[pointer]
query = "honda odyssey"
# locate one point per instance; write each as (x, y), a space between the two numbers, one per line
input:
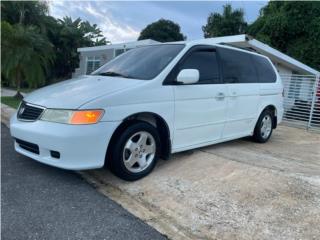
(150, 102)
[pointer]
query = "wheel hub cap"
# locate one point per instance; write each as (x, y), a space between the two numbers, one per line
(266, 126)
(139, 151)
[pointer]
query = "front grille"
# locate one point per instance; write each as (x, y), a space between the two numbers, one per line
(29, 112)
(31, 147)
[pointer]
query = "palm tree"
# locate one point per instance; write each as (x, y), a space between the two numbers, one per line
(230, 22)
(72, 34)
(26, 55)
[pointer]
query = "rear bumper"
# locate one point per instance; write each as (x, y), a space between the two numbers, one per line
(80, 146)
(278, 118)
(280, 112)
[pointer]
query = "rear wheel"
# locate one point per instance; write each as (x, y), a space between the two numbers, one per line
(135, 153)
(264, 126)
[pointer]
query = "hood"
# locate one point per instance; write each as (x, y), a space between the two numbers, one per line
(73, 93)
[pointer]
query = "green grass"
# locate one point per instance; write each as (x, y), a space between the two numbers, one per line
(10, 101)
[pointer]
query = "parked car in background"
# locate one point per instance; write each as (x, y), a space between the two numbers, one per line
(148, 103)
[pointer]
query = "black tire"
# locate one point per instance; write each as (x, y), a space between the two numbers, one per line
(258, 135)
(117, 165)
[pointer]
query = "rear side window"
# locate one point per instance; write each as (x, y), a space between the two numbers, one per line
(206, 62)
(265, 70)
(237, 67)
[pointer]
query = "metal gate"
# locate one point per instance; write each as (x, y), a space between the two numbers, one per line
(302, 101)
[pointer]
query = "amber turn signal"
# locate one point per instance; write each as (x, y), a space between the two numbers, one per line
(86, 117)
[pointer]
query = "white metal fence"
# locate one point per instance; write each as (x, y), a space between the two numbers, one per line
(302, 101)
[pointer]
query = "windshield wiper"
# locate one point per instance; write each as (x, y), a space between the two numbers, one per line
(113, 74)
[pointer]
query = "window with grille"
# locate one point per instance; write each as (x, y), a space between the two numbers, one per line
(119, 52)
(93, 63)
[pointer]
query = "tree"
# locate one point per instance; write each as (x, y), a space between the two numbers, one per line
(64, 35)
(26, 55)
(231, 22)
(292, 28)
(68, 35)
(163, 31)
(24, 12)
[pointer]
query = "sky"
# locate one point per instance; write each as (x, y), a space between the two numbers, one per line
(122, 21)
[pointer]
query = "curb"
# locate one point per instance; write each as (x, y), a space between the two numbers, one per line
(142, 210)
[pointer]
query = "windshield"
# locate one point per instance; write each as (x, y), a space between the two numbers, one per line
(143, 63)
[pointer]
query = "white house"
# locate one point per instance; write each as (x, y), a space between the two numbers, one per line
(91, 58)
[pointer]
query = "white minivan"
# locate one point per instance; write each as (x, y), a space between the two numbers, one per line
(148, 103)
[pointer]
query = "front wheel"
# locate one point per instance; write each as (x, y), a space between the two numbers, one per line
(135, 153)
(264, 126)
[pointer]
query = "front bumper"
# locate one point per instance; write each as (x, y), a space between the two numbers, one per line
(80, 146)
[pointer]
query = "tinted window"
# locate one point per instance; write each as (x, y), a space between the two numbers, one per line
(237, 66)
(265, 70)
(141, 63)
(206, 62)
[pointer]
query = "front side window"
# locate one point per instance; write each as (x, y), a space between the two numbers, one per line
(206, 62)
(237, 66)
(143, 63)
(93, 63)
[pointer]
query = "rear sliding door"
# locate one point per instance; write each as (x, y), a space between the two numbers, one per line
(240, 77)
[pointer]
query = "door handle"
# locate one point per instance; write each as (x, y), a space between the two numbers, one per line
(220, 96)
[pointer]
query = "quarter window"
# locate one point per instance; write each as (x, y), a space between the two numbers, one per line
(206, 62)
(93, 63)
(265, 70)
(237, 67)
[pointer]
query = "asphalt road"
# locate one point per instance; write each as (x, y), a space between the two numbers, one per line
(41, 202)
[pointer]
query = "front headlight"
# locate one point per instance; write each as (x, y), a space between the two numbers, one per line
(72, 116)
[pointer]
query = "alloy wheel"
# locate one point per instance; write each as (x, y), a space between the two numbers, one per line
(139, 151)
(266, 126)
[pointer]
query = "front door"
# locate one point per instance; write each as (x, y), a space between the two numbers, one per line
(200, 109)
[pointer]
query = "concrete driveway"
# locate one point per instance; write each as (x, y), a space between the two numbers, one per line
(234, 190)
